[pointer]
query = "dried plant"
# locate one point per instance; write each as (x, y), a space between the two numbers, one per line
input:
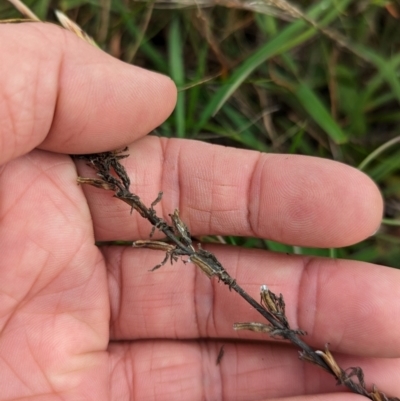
(112, 176)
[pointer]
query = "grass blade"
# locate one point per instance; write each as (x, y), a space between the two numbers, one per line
(317, 110)
(176, 69)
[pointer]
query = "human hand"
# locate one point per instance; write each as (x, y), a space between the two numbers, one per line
(83, 323)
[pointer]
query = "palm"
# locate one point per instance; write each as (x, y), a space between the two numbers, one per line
(54, 297)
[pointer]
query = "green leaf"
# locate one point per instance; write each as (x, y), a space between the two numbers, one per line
(317, 110)
(295, 34)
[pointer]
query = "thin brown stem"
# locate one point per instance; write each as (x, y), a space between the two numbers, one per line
(111, 175)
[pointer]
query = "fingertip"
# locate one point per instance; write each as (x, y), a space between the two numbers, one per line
(104, 103)
(64, 95)
(367, 207)
(315, 202)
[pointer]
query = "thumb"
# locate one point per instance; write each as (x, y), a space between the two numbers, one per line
(61, 94)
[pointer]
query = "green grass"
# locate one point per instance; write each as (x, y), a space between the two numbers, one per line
(329, 95)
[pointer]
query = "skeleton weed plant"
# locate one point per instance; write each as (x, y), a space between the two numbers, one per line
(112, 176)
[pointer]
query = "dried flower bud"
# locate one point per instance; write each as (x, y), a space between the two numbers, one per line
(253, 326)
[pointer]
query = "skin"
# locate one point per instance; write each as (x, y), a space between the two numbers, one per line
(82, 323)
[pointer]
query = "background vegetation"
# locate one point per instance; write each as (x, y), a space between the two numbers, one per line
(316, 78)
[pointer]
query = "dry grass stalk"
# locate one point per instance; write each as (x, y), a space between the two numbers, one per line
(24, 10)
(112, 176)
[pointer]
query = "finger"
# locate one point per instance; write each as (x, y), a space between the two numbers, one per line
(67, 96)
(292, 199)
(188, 370)
(346, 304)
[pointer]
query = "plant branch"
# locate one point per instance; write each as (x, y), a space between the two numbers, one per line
(112, 176)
